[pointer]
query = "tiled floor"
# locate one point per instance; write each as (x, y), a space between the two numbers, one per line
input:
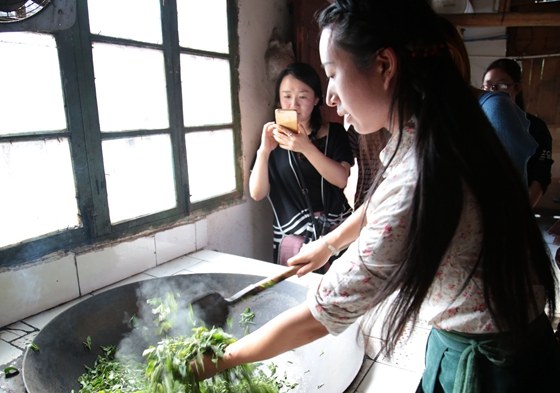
(400, 374)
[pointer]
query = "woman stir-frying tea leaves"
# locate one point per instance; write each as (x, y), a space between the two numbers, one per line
(448, 235)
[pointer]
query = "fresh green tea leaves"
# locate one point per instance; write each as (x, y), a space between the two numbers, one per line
(110, 375)
(167, 366)
(134, 321)
(87, 344)
(168, 369)
(165, 309)
(10, 372)
(246, 320)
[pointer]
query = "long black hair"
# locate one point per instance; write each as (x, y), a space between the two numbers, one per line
(455, 146)
(512, 68)
(308, 75)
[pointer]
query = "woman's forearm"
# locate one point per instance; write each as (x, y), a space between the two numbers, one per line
(289, 330)
(316, 254)
(348, 231)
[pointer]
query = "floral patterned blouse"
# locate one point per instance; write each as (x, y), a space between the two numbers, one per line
(343, 294)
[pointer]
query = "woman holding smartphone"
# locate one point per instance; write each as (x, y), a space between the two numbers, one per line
(316, 157)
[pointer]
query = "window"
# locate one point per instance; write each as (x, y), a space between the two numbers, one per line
(125, 122)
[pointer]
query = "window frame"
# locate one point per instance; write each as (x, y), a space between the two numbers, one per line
(74, 47)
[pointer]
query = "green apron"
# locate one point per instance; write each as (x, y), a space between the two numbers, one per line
(474, 363)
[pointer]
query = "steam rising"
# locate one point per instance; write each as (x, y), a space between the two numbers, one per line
(152, 323)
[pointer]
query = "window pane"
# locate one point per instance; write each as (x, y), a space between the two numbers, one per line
(31, 92)
(137, 20)
(39, 194)
(139, 175)
(130, 85)
(206, 90)
(211, 162)
(203, 25)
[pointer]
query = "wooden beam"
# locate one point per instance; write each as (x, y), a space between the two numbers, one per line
(508, 19)
(504, 6)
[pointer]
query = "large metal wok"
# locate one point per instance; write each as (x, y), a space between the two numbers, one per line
(329, 364)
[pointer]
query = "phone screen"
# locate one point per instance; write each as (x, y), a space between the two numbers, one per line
(287, 118)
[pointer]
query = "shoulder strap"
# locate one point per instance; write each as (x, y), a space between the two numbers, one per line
(305, 193)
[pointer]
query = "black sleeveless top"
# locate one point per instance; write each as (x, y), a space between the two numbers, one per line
(291, 215)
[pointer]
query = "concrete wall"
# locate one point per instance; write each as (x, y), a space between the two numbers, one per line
(244, 229)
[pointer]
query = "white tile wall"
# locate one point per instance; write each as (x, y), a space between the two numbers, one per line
(40, 320)
(129, 280)
(201, 234)
(175, 242)
(28, 290)
(179, 265)
(112, 264)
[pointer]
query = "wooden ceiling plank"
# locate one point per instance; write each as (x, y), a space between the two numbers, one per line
(525, 80)
(549, 89)
(509, 19)
(504, 5)
(532, 86)
(533, 41)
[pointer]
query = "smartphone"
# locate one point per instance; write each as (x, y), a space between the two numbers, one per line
(287, 118)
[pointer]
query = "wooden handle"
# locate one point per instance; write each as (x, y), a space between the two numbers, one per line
(260, 286)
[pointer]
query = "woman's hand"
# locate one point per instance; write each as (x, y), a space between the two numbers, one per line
(268, 142)
(259, 184)
(205, 371)
(314, 255)
(289, 140)
(289, 330)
